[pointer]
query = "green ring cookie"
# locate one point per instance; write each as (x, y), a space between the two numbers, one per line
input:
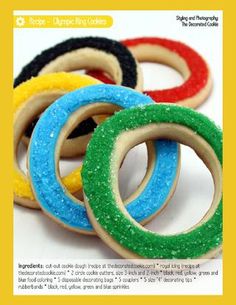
(109, 144)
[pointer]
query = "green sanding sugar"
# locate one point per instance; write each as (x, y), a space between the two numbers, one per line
(97, 182)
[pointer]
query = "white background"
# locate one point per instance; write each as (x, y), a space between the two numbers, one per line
(35, 235)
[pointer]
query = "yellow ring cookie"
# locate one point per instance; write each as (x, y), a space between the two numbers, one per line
(41, 91)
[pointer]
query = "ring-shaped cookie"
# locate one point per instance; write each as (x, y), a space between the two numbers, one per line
(54, 126)
(101, 194)
(29, 100)
(193, 68)
(84, 53)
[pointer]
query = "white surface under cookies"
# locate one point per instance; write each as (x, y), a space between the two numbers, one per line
(35, 235)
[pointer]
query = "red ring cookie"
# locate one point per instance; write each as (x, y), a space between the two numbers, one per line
(188, 62)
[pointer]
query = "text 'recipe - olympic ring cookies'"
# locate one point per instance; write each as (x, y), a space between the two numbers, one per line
(53, 127)
(193, 68)
(84, 53)
(104, 205)
(30, 99)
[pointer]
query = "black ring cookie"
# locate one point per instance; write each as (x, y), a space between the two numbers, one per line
(127, 63)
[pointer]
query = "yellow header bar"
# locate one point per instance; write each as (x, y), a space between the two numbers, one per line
(83, 21)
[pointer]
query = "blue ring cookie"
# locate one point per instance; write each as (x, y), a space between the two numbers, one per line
(48, 189)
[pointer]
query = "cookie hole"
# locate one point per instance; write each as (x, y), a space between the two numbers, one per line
(133, 170)
(191, 200)
(158, 76)
(78, 71)
(22, 156)
(67, 165)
